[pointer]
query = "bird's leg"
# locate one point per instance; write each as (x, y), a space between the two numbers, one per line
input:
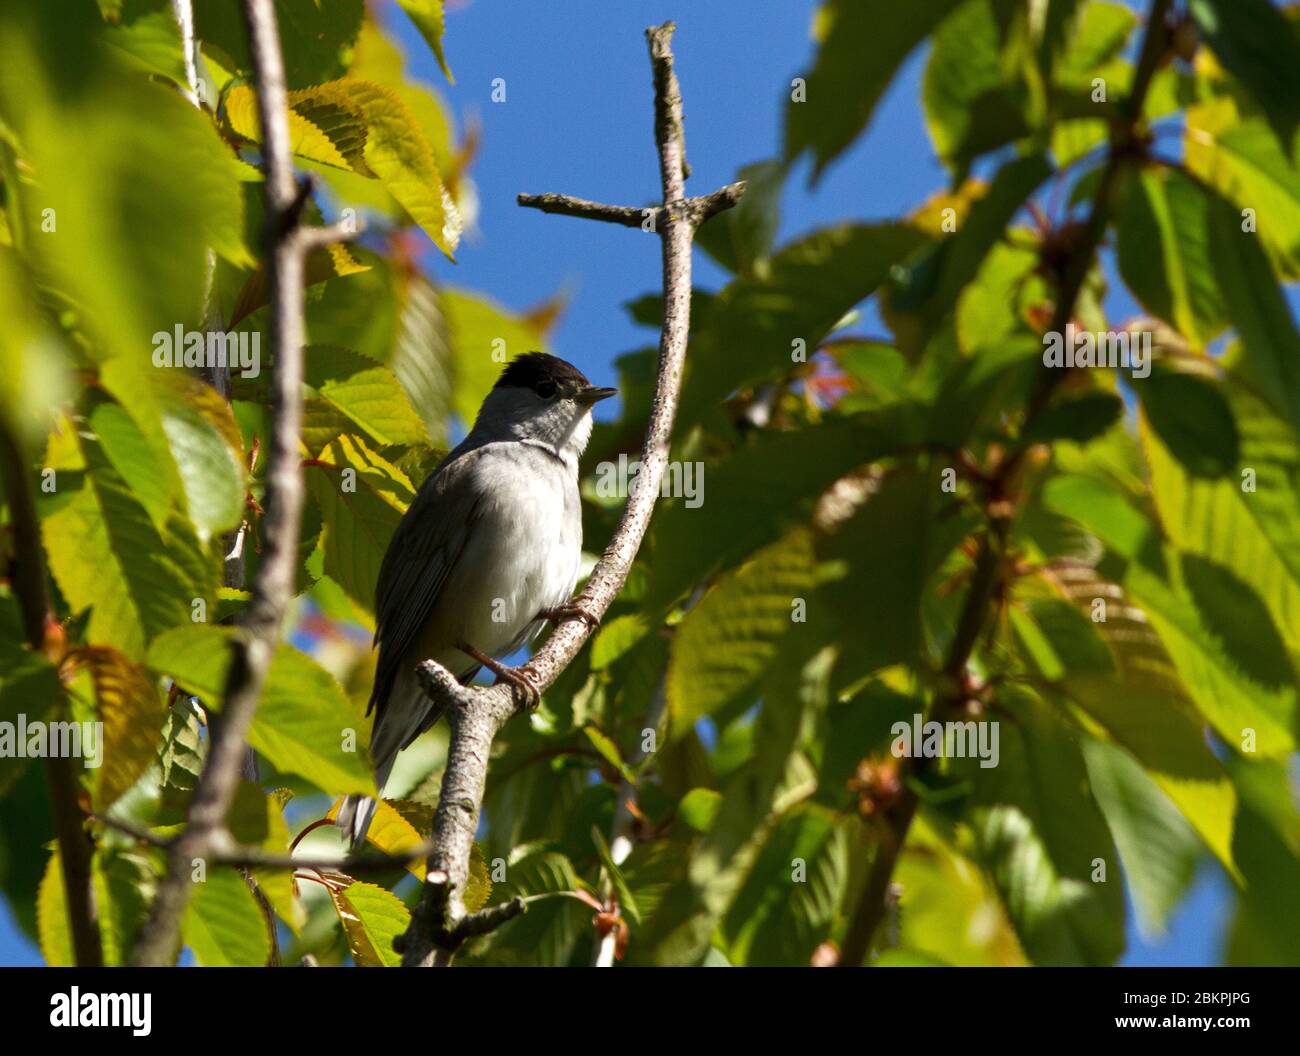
(573, 609)
(520, 677)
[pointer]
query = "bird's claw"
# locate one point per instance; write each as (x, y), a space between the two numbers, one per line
(571, 610)
(525, 678)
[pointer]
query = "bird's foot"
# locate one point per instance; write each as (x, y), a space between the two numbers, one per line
(523, 677)
(571, 610)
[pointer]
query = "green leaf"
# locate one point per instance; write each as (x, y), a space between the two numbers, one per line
(1244, 162)
(128, 703)
(971, 104)
(52, 925)
(742, 236)
(788, 902)
(428, 19)
(1041, 835)
(1259, 312)
(863, 44)
(1167, 250)
(1267, 844)
(699, 808)
(749, 507)
(323, 129)
(482, 337)
(1079, 418)
(1254, 41)
(205, 444)
(303, 715)
(367, 394)
(372, 918)
(1192, 418)
(728, 639)
(1191, 610)
(626, 902)
(361, 498)
(1158, 847)
(802, 293)
(223, 923)
(316, 39)
(928, 287)
(391, 832)
(882, 558)
(106, 555)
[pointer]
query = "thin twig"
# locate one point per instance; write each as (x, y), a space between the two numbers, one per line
(475, 715)
(991, 557)
(28, 582)
(272, 587)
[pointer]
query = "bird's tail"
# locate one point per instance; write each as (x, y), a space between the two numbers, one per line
(407, 714)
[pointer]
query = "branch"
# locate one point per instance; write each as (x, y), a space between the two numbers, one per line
(225, 851)
(272, 587)
(990, 559)
(475, 715)
(28, 580)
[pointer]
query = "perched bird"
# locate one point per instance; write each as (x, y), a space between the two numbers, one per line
(485, 555)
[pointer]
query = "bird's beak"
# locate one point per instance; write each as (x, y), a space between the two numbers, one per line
(594, 395)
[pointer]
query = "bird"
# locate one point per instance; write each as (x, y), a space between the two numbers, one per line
(487, 553)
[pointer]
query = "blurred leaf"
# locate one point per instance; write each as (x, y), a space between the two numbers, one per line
(1079, 418)
(971, 104)
(129, 704)
(1193, 419)
(742, 236)
(791, 896)
(749, 506)
(315, 39)
(802, 294)
(1243, 161)
(223, 924)
(361, 498)
(1267, 844)
(728, 639)
(106, 555)
(482, 337)
(1255, 42)
(428, 19)
(1259, 312)
(1041, 834)
(52, 917)
(1158, 847)
(863, 44)
(1166, 250)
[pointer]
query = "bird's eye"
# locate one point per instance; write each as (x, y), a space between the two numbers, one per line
(545, 389)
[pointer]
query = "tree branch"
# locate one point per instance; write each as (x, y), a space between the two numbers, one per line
(990, 560)
(272, 587)
(475, 715)
(28, 580)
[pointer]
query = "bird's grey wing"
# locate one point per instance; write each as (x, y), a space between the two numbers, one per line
(426, 546)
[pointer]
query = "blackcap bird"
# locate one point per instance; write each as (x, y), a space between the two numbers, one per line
(486, 554)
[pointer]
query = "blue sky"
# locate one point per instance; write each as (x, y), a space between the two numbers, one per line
(577, 119)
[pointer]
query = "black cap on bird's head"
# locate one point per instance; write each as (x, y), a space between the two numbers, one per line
(549, 376)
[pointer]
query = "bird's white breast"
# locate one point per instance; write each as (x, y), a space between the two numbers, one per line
(523, 550)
